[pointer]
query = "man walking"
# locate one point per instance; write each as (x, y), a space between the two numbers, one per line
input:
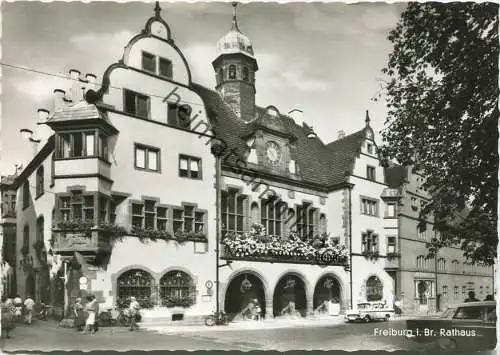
(29, 304)
(96, 310)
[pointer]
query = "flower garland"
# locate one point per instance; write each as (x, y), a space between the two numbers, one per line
(257, 243)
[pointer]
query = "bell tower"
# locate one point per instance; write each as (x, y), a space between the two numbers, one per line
(235, 68)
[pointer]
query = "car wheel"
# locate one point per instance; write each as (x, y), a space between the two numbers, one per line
(367, 319)
(446, 344)
(387, 317)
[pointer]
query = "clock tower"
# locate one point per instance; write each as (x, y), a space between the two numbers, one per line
(235, 68)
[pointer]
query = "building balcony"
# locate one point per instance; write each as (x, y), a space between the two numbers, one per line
(277, 249)
(392, 261)
(389, 193)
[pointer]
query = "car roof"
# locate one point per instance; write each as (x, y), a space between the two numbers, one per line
(471, 304)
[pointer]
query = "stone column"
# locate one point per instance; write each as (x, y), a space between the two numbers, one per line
(309, 304)
(269, 307)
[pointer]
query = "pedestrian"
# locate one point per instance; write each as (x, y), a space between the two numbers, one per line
(489, 298)
(79, 314)
(90, 310)
(29, 304)
(472, 297)
(133, 311)
(96, 310)
(18, 305)
(8, 311)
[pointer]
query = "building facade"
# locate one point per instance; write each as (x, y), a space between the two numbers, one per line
(426, 284)
(8, 234)
(153, 186)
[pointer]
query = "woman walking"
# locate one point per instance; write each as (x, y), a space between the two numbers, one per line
(79, 314)
(90, 322)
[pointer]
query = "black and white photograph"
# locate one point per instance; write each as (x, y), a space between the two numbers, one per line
(249, 176)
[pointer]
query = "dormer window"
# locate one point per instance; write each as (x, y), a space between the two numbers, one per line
(232, 72)
(369, 148)
(157, 65)
(165, 68)
(149, 62)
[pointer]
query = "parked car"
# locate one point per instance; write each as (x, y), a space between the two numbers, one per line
(369, 311)
(469, 325)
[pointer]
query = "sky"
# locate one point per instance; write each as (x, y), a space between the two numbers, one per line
(322, 58)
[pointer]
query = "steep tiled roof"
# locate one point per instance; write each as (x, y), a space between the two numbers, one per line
(342, 154)
(80, 111)
(318, 163)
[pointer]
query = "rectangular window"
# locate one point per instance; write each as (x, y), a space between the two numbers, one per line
(178, 222)
(149, 214)
(161, 218)
(456, 292)
(136, 104)
(464, 291)
(165, 68)
(391, 245)
(232, 211)
(369, 148)
(103, 147)
(369, 207)
(147, 158)
(103, 209)
(369, 242)
(414, 204)
(370, 173)
(445, 291)
(77, 144)
(89, 144)
(390, 211)
(188, 219)
(137, 214)
(179, 115)
(149, 62)
(65, 207)
(271, 216)
(189, 167)
(26, 194)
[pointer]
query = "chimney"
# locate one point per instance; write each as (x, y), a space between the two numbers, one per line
(340, 134)
(43, 131)
(76, 88)
(91, 79)
(59, 99)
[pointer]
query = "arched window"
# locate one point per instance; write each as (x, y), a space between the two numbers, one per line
(39, 182)
(177, 289)
(137, 283)
(245, 73)
(232, 72)
(374, 289)
(40, 225)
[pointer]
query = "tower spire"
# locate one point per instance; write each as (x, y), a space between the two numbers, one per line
(157, 9)
(235, 22)
(367, 119)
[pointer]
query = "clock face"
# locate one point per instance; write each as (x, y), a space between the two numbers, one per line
(273, 152)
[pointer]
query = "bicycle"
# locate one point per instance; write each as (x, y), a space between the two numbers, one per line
(217, 318)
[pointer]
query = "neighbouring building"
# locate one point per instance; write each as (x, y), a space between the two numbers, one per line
(447, 276)
(130, 175)
(8, 234)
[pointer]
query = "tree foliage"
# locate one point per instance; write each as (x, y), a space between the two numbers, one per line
(442, 97)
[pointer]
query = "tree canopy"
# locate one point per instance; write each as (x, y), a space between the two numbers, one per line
(442, 94)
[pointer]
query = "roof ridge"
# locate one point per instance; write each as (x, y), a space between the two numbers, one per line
(345, 137)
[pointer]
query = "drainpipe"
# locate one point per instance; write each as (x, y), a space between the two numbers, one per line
(436, 282)
(350, 244)
(218, 227)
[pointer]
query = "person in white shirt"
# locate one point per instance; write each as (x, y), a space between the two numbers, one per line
(29, 304)
(133, 310)
(18, 308)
